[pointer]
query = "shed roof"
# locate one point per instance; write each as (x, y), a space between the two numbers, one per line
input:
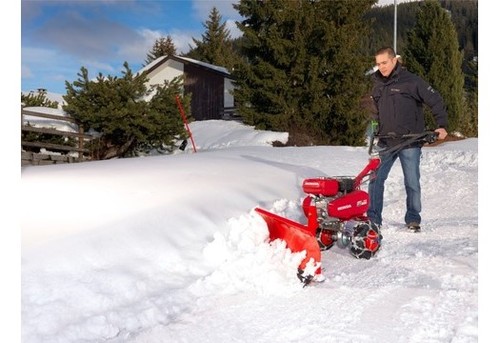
(185, 60)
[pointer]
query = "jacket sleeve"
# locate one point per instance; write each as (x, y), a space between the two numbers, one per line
(373, 105)
(372, 109)
(434, 100)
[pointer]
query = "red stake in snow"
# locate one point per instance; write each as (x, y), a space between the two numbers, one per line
(183, 115)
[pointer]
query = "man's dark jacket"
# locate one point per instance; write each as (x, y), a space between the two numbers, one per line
(399, 99)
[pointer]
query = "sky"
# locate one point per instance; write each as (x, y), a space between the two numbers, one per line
(170, 249)
(59, 37)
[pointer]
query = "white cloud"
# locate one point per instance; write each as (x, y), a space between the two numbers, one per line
(233, 29)
(137, 50)
(229, 15)
(40, 55)
(225, 8)
(97, 66)
(26, 72)
(182, 40)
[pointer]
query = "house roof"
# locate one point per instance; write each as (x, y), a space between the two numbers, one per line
(185, 60)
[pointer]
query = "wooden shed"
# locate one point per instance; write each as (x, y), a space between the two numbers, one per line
(210, 85)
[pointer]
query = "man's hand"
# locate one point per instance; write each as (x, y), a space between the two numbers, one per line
(441, 133)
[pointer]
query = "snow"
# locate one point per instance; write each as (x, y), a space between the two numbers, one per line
(169, 249)
(36, 121)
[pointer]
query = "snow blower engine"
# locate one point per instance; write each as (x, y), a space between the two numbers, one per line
(335, 208)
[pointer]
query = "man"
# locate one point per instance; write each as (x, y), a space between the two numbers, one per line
(399, 97)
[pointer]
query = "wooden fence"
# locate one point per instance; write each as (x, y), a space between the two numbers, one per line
(34, 158)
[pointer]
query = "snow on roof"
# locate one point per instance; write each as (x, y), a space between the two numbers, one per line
(204, 64)
(181, 59)
(152, 65)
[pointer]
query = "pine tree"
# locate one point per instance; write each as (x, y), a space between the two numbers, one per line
(433, 53)
(38, 99)
(464, 15)
(215, 46)
(164, 120)
(304, 72)
(163, 46)
(469, 126)
(116, 108)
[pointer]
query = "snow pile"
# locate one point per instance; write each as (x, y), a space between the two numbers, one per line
(218, 134)
(169, 249)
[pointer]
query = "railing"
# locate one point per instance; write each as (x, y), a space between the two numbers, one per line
(83, 152)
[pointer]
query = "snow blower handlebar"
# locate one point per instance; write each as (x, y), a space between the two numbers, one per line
(372, 165)
(406, 140)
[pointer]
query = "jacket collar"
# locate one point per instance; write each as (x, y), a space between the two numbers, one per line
(392, 76)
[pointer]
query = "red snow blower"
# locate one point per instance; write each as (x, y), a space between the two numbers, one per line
(335, 208)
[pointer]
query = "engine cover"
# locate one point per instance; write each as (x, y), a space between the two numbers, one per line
(351, 205)
(321, 186)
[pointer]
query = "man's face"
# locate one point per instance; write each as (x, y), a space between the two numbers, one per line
(385, 63)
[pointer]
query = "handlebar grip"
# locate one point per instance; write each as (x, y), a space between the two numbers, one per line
(432, 137)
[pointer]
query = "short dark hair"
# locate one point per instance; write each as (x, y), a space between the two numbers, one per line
(386, 50)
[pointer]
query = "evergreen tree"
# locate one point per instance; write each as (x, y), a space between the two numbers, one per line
(164, 120)
(433, 53)
(464, 15)
(215, 46)
(304, 72)
(38, 99)
(469, 126)
(116, 108)
(163, 46)
(382, 28)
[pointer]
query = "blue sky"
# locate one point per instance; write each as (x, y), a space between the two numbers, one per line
(59, 37)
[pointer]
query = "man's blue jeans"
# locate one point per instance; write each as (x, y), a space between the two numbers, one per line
(410, 163)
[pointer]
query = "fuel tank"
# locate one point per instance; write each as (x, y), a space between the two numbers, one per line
(321, 186)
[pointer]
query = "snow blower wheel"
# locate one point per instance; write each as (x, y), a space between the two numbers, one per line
(366, 241)
(325, 239)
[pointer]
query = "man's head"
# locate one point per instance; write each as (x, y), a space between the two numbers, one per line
(386, 60)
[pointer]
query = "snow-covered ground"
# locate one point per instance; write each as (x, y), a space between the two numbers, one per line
(169, 249)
